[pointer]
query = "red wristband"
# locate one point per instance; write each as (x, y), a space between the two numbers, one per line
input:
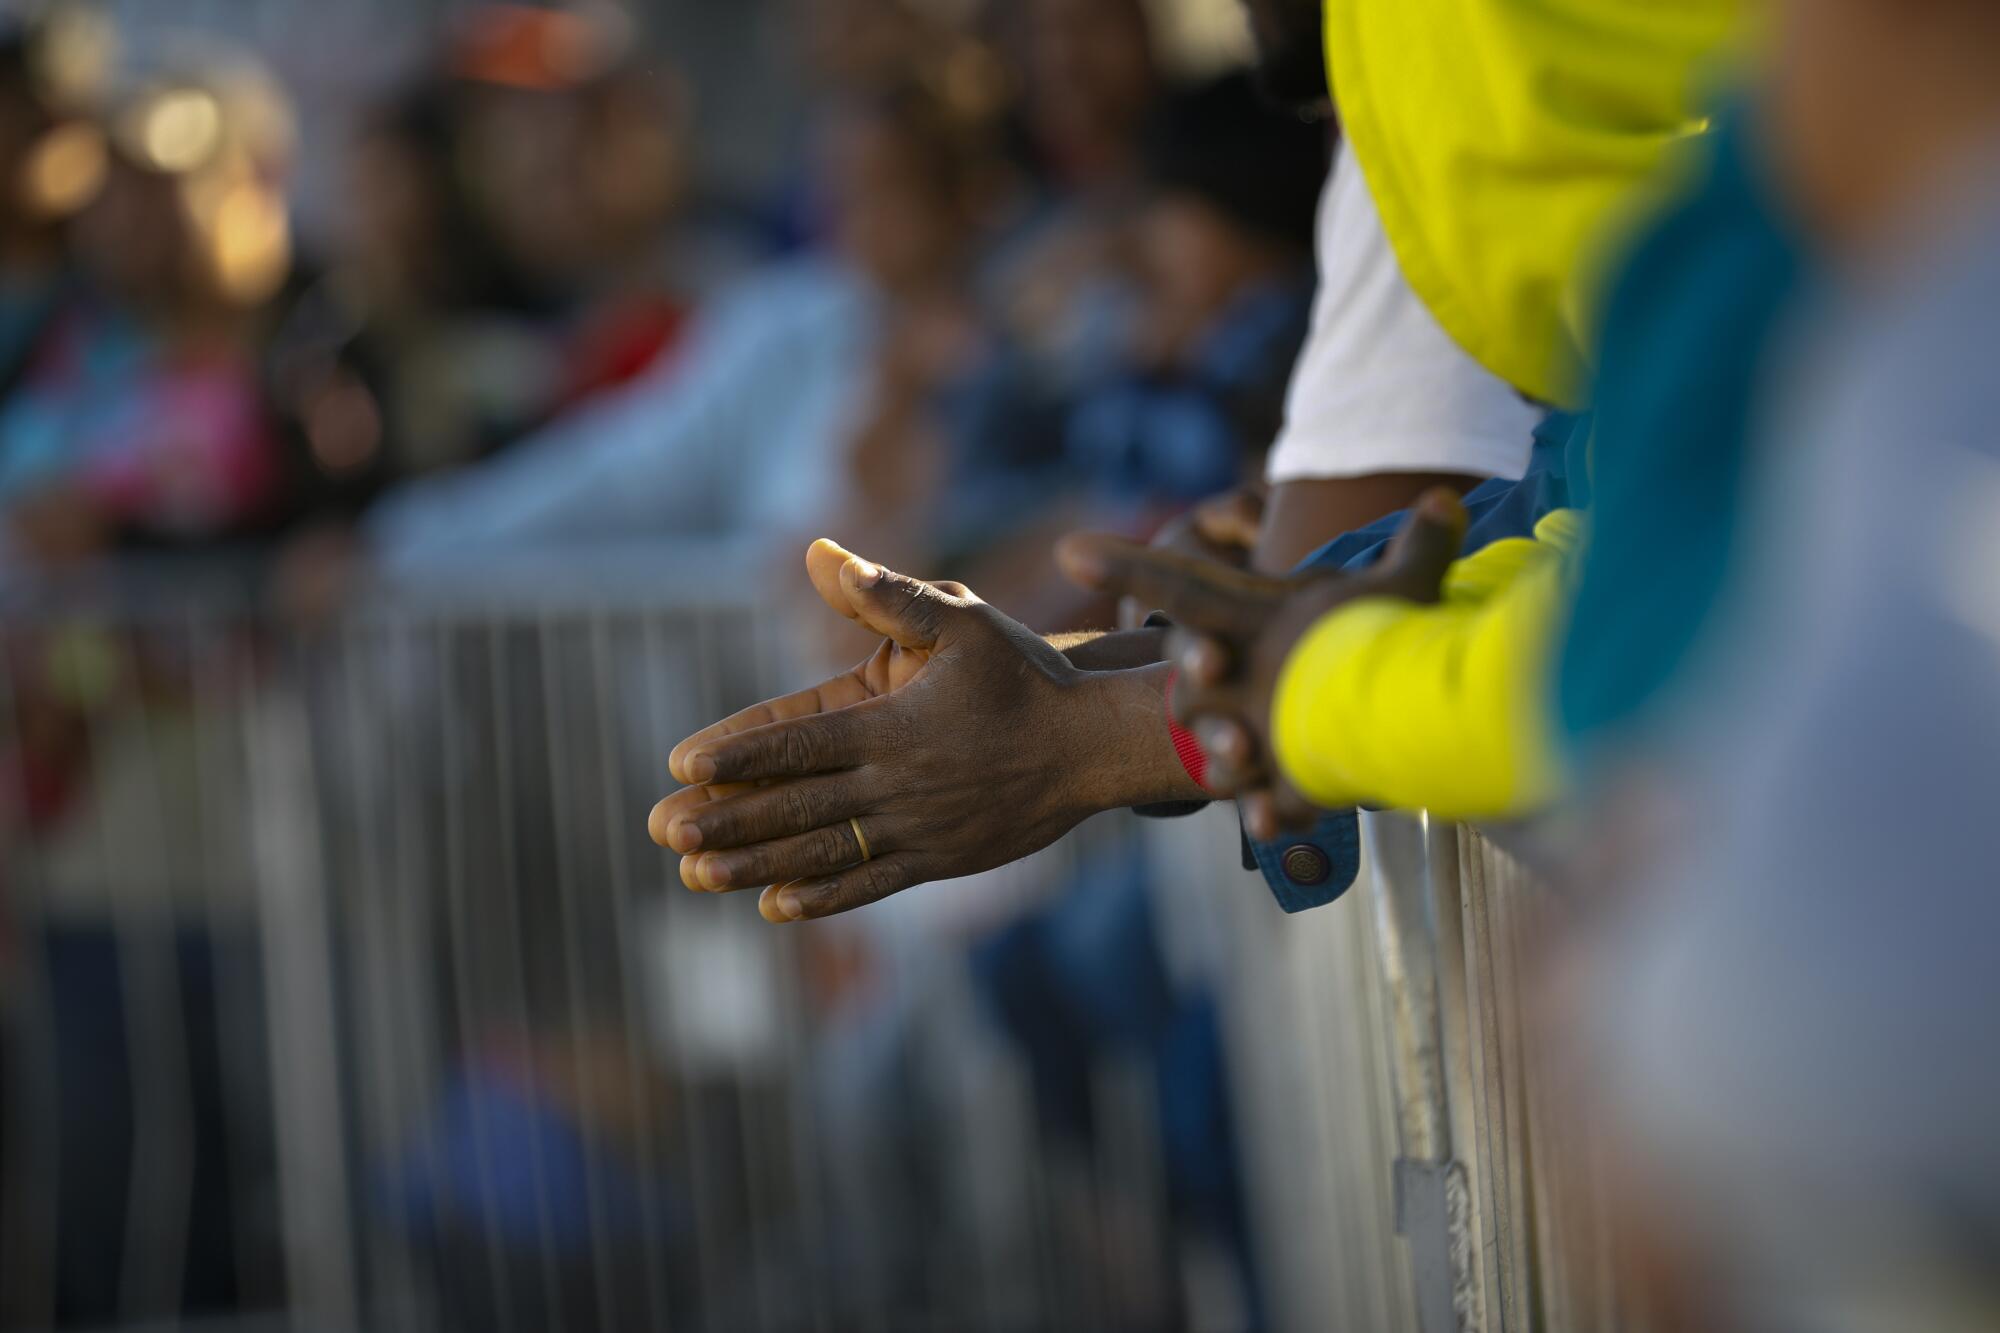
(1192, 757)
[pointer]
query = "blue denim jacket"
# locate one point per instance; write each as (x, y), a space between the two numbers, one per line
(1313, 869)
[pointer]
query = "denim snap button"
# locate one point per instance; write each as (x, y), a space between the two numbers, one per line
(1305, 864)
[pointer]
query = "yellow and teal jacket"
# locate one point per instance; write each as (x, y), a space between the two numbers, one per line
(1512, 146)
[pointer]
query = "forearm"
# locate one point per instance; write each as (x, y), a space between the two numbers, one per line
(1302, 516)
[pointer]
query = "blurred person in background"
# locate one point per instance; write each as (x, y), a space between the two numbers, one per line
(1792, 1004)
(575, 159)
(138, 418)
(140, 414)
(1065, 284)
(406, 356)
(35, 138)
(1091, 73)
(1185, 407)
(508, 251)
(859, 48)
(854, 46)
(960, 443)
(705, 447)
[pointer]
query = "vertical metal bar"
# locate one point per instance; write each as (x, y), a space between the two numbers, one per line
(376, 736)
(503, 765)
(218, 704)
(659, 1313)
(711, 1279)
(814, 1218)
(1510, 932)
(160, 1184)
(1133, 1226)
(34, 1123)
(409, 912)
(991, 1215)
(351, 743)
(1471, 1256)
(753, 1114)
(294, 934)
(457, 916)
(1430, 1185)
(1042, 1213)
(1500, 1192)
(1336, 1090)
(814, 1212)
(573, 964)
(1399, 914)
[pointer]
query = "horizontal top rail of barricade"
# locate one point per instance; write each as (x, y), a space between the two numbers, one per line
(627, 576)
(707, 574)
(139, 590)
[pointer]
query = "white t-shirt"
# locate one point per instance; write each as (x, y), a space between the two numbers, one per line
(1379, 385)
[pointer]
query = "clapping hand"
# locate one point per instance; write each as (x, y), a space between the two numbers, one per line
(1236, 629)
(964, 742)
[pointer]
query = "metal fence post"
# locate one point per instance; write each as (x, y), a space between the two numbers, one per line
(1433, 1211)
(295, 930)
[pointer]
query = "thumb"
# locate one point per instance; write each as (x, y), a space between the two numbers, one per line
(910, 611)
(824, 559)
(1424, 548)
(1232, 521)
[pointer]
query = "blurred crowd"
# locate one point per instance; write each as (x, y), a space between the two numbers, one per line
(1017, 278)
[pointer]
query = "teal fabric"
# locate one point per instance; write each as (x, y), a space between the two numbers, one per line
(1685, 349)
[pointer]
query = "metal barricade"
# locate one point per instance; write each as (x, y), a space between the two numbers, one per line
(1499, 1186)
(345, 991)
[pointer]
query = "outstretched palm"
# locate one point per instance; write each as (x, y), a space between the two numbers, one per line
(967, 743)
(889, 668)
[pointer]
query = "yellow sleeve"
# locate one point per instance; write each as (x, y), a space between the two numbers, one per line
(1441, 707)
(1507, 144)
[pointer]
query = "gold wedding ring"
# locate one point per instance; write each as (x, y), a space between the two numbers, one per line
(861, 840)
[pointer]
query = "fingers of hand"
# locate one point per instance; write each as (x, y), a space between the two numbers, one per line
(1231, 522)
(821, 852)
(1271, 812)
(1260, 814)
(840, 691)
(820, 743)
(1198, 593)
(1235, 760)
(1204, 661)
(759, 814)
(1424, 548)
(669, 823)
(833, 894)
(1209, 700)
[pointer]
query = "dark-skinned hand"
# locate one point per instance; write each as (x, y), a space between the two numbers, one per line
(1223, 528)
(889, 667)
(1235, 630)
(965, 742)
